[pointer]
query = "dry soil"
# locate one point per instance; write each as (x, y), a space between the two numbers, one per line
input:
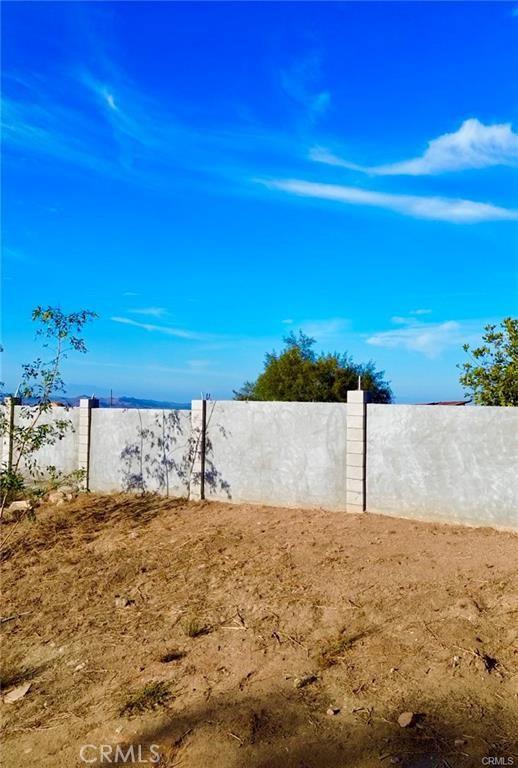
(232, 636)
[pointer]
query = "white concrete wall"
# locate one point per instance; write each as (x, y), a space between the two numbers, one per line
(4, 445)
(424, 462)
(63, 453)
(141, 450)
(289, 454)
(458, 464)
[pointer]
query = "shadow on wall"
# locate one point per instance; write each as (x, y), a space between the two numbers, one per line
(213, 478)
(165, 458)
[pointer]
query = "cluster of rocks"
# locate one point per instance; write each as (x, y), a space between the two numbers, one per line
(61, 495)
(19, 507)
(57, 497)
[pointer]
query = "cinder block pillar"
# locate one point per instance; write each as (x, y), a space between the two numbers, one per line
(356, 466)
(85, 419)
(7, 437)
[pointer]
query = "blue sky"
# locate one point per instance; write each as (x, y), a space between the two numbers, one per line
(209, 176)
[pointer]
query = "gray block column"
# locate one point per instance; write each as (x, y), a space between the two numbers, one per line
(356, 465)
(83, 450)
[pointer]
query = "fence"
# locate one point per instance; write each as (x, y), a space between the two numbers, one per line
(423, 462)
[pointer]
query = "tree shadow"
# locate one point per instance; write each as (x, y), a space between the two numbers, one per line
(283, 730)
(164, 458)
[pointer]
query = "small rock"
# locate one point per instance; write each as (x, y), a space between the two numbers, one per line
(15, 694)
(301, 682)
(20, 506)
(56, 497)
(123, 602)
(395, 760)
(460, 742)
(133, 535)
(67, 489)
(406, 719)
(79, 667)
(333, 711)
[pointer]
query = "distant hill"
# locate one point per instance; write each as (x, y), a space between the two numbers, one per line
(123, 402)
(133, 402)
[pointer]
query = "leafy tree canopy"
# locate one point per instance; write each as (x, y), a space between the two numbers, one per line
(490, 377)
(297, 373)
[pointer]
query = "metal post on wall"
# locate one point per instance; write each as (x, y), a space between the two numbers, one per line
(203, 446)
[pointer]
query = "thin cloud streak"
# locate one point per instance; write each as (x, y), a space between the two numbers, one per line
(429, 339)
(114, 129)
(435, 208)
(473, 146)
(326, 328)
(149, 311)
(165, 329)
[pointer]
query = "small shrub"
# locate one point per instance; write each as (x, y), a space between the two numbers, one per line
(193, 627)
(153, 695)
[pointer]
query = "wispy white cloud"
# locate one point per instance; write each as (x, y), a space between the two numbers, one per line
(55, 132)
(14, 254)
(473, 145)
(199, 364)
(437, 208)
(430, 339)
(110, 100)
(409, 320)
(115, 129)
(111, 127)
(149, 311)
(165, 329)
(301, 82)
(325, 328)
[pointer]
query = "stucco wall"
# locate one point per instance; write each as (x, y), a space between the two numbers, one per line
(140, 450)
(3, 438)
(441, 462)
(290, 454)
(425, 462)
(63, 453)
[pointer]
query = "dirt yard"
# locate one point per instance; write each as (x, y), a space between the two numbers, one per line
(227, 636)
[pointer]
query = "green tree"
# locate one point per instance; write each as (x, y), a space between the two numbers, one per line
(297, 373)
(490, 377)
(41, 381)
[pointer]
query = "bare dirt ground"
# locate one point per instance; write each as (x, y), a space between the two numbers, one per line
(234, 636)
